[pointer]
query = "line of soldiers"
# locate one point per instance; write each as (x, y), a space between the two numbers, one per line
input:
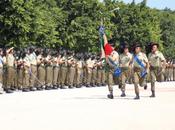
(37, 69)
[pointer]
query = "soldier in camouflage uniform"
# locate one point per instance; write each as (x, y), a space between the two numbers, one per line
(125, 64)
(138, 79)
(157, 65)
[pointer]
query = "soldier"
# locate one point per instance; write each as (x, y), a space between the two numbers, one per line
(1, 71)
(140, 66)
(49, 71)
(10, 61)
(125, 64)
(64, 69)
(112, 58)
(33, 68)
(157, 65)
(41, 60)
(89, 64)
(94, 71)
(79, 71)
(72, 69)
(56, 70)
(20, 71)
(26, 73)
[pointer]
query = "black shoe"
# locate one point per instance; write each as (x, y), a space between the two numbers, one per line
(55, 87)
(110, 96)
(25, 90)
(62, 87)
(145, 87)
(48, 88)
(32, 89)
(8, 90)
(71, 87)
(153, 94)
(88, 86)
(119, 86)
(137, 97)
(123, 95)
(103, 84)
(39, 88)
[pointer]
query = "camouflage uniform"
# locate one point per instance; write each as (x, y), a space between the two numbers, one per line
(156, 68)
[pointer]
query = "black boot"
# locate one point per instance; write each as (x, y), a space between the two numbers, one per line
(110, 96)
(137, 97)
(25, 90)
(48, 88)
(123, 94)
(32, 89)
(8, 90)
(55, 87)
(153, 94)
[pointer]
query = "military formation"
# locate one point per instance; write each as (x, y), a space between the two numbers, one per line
(36, 69)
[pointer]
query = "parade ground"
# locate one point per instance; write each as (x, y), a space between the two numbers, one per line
(89, 109)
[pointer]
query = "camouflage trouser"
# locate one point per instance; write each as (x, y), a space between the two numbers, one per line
(33, 75)
(110, 80)
(41, 75)
(89, 76)
(94, 76)
(138, 80)
(26, 79)
(78, 76)
(122, 79)
(20, 77)
(71, 76)
(10, 76)
(63, 75)
(101, 76)
(49, 75)
(56, 70)
(156, 74)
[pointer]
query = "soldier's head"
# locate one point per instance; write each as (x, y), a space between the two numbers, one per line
(154, 46)
(137, 48)
(125, 47)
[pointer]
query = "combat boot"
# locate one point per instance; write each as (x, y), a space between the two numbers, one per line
(110, 96)
(137, 97)
(153, 94)
(123, 94)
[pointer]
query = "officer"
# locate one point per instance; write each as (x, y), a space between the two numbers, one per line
(140, 66)
(125, 64)
(157, 65)
(10, 61)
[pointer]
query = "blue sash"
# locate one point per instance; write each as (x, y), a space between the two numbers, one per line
(143, 73)
(117, 70)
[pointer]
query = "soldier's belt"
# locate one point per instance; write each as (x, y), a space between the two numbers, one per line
(125, 68)
(137, 69)
(154, 67)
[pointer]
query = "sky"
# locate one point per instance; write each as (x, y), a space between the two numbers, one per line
(159, 4)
